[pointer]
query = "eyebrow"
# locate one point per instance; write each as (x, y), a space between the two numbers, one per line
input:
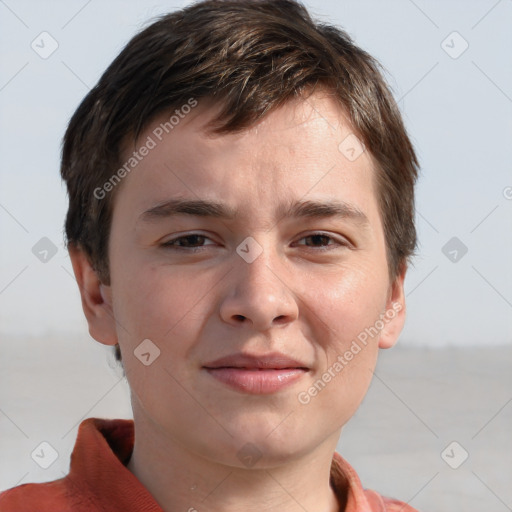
(298, 209)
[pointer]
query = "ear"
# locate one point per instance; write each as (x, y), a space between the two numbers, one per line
(96, 299)
(394, 316)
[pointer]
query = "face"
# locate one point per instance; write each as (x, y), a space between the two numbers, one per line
(267, 321)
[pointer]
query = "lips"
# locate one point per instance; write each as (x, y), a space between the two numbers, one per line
(274, 360)
(262, 374)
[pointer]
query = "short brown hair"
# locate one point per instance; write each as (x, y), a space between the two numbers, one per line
(251, 56)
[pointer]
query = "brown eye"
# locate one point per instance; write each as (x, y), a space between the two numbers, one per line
(318, 240)
(322, 241)
(194, 241)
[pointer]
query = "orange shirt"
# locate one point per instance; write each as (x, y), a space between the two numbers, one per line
(99, 480)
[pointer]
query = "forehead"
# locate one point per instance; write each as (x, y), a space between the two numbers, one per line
(304, 149)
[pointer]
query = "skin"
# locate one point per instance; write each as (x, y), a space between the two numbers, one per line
(296, 298)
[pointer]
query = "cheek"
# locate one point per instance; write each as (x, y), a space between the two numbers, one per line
(346, 353)
(349, 302)
(345, 308)
(156, 302)
(165, 306)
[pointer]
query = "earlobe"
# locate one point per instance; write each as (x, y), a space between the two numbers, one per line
(394, 316)
(96, 298)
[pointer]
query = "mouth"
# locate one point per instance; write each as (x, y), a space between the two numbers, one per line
(252, 374)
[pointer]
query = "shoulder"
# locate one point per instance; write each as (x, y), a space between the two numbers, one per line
(102, 448)
(44, 497)
(349, 490)
(383, 504)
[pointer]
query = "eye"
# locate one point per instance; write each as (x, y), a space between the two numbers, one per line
(323, 241)
(192, 241)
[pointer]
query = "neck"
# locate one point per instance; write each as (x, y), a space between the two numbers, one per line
(180, 480)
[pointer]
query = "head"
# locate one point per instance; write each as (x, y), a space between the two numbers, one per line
(283, 122)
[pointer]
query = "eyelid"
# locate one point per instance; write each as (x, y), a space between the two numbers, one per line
(339, 241)
(171, 241)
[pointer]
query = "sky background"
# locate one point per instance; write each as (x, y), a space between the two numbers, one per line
(450, 69)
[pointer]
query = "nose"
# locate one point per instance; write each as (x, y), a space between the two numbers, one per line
(259, 294)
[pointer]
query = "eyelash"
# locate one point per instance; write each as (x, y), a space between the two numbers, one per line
(171, 244)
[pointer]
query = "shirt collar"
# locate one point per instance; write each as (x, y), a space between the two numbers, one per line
(104, 446)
